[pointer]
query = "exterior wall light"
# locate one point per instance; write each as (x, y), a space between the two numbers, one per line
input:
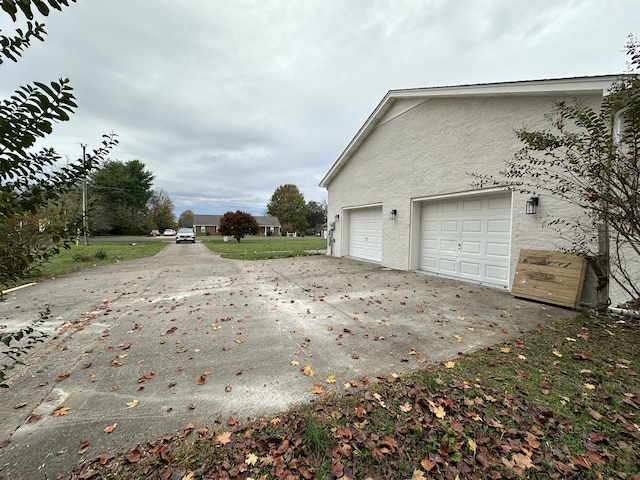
(337, 217)
(531, 206)
(393, 214)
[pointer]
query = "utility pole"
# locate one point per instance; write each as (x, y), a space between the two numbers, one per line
(85, 220)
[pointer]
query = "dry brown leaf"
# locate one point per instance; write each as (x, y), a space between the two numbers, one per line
(132, 403)
(134, 455)
(84, 445)
(222, 438)
(187, 430)
(110, 428)
(61, 411)
(317, 389)
(418, 475)
(34, 417)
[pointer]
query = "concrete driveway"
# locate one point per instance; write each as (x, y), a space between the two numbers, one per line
(186, 336)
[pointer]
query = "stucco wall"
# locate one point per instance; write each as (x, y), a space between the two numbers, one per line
(426, 150)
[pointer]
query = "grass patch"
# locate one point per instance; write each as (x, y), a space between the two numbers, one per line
(562, 402)
(80, 257)
(264, 248)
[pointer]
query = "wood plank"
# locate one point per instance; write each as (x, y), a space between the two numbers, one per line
(551, 277)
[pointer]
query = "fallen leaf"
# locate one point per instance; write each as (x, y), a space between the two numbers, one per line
(251, 459)
(472, 445)
(201, 380)
(450, 364)
(110, 428)
(61, 411)
(192, 406)
(146, 377)
(505, 350)
(134, 455)
(406, 407)
(62, 376)
(187, 430)
(20, 405)
(227, 388)
(331, 379)
(437, 410)
(132, 403)
(307, 370)
(418, 475)
(84, 445)
(34, 417)
(317, 389)
(557, 353)
(222, 438)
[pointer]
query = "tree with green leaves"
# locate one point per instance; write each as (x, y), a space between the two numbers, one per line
(186, 219)
(34, 182)
(32, 179)
(316, 215)
(288, 205)
(238, 225)
(160, 210)
(591, 158)
(121, 191)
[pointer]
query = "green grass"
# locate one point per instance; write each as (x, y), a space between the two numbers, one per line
(80, 257)
(263, 248)
(561, 402)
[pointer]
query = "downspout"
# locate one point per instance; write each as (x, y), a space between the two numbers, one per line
(604, 248)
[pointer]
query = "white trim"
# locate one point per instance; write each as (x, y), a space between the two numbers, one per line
(466, 193)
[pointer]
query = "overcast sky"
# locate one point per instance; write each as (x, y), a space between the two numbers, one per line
(225, 100)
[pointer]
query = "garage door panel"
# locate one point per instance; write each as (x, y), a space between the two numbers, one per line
(447, 265)
(470, 268)
(449, 246)
(472, 226)
(498, 274)
(498, 249)
(449, 226)
(499, 226)
(365, 234)
(471, 248)
(468, 238)
(471, 205)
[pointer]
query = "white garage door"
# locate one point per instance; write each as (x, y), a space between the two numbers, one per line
(365, 234)
(468, 238)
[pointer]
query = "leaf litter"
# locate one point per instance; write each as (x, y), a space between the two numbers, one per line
(526, 409)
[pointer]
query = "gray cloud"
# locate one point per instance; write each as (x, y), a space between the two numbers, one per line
(225, 101)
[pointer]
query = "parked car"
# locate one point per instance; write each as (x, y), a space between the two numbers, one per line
(169, 232)
(154, 233)
(185, 235)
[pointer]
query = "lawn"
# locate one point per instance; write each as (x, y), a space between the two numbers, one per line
(262, 248)
(561, 402)
(80, 257)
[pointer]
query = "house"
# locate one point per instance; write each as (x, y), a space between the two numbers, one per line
(400, 194)
(209, 225)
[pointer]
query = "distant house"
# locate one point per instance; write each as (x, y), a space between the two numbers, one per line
(210, 224)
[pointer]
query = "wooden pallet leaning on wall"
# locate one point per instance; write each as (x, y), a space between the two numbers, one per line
(551, 277)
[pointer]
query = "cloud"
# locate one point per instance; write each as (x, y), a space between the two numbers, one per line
(225, 101)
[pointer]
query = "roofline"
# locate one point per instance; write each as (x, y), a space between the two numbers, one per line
(570, 85)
